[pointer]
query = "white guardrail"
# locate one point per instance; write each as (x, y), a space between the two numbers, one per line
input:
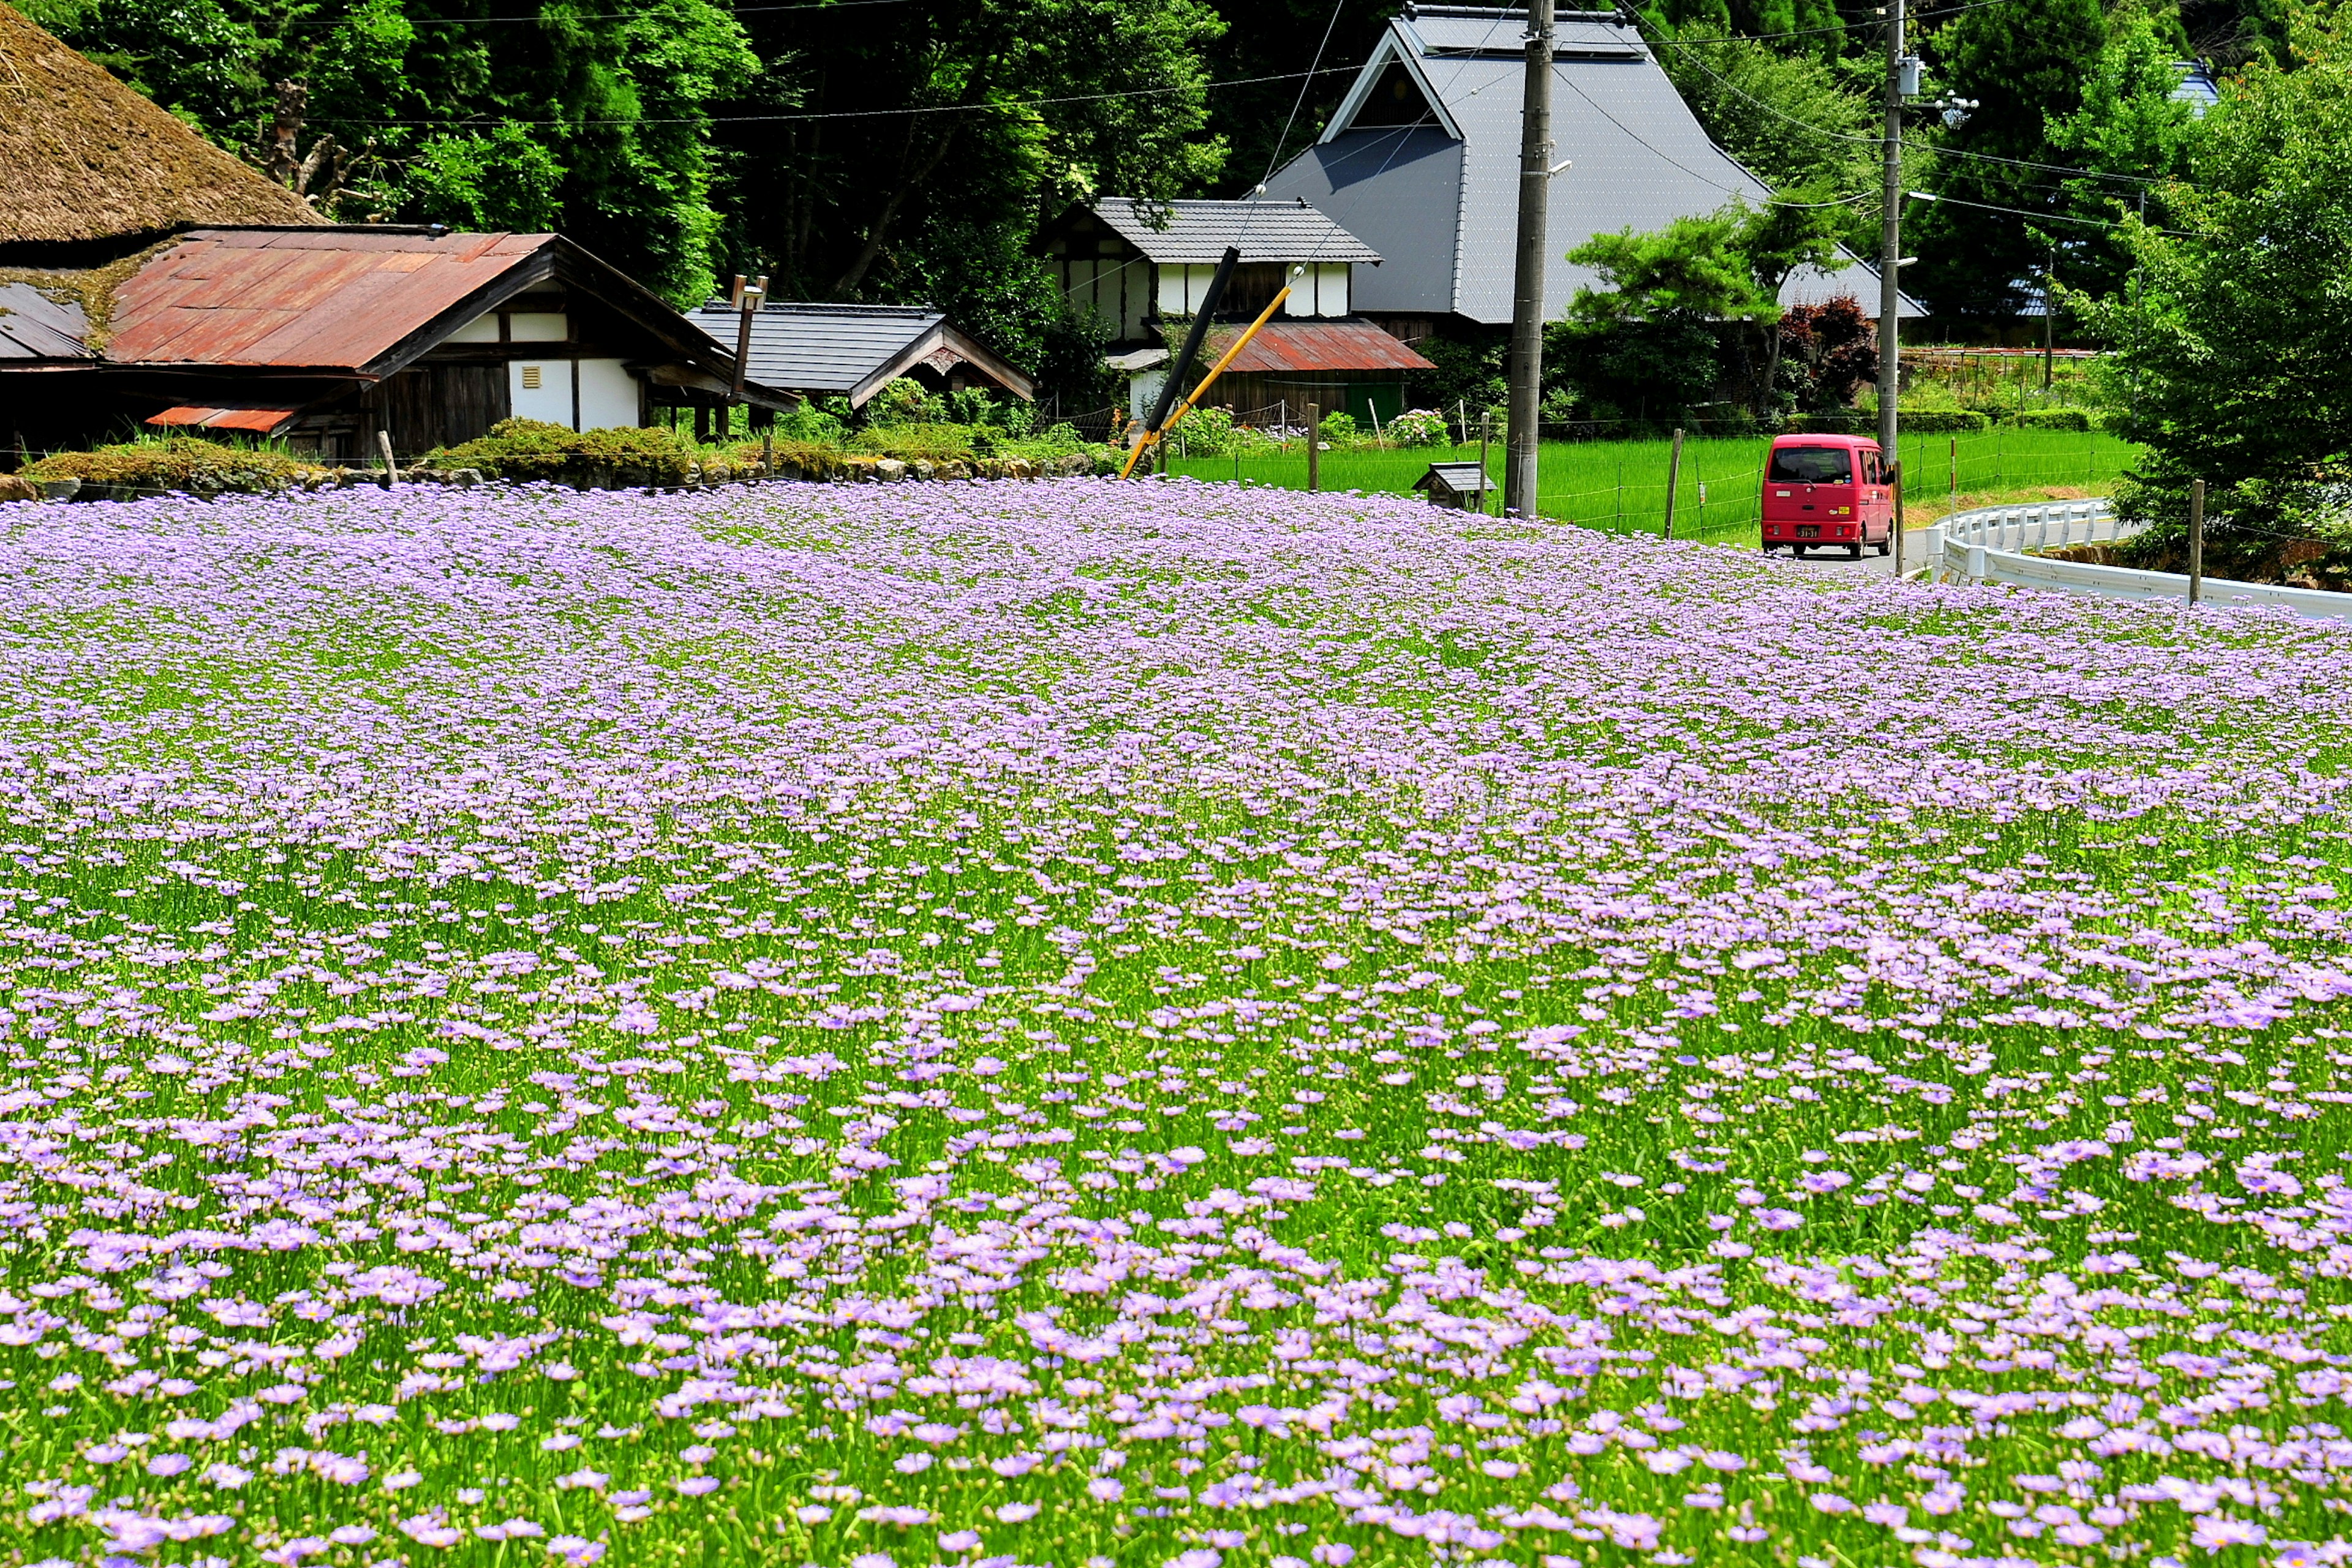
(1990, 545)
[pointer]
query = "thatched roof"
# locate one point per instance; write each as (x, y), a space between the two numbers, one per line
(84, 157)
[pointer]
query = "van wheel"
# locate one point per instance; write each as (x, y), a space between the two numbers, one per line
(1886, 546)
(1854, 550)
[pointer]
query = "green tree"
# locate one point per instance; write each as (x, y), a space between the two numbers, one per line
(1799, 229)
(2129, 125)
(972, 112)
(570, 114)
(2232, 339)
(2025, 62)
(1652, 337)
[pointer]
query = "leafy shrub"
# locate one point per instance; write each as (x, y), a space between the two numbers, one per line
(1339, 428)
(527, 449)
(1207, 433)
(2074, 419)
(1939, 421)
(810, 423)
(929, 442)
(1419, 428)
(178, 463)
(906, 402)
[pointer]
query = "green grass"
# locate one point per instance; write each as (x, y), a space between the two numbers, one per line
(1620, 486)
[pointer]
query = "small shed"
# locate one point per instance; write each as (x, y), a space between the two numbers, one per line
(854, 350)
(1457, 487)
(1351, 366)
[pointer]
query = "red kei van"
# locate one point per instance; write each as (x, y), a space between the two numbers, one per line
(1826, 490)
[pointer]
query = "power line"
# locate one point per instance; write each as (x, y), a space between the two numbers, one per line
(1940, 151)
(1815, 32)
(1012, 104)
(607, 15)
(2040, 216)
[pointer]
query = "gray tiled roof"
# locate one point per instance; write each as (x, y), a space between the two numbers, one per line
(35, 326)
(1265, 230)
(1445, 212)
(819, 348)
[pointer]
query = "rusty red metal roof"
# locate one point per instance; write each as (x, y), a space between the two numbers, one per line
(339, 299)
(260, 421)
(1297, 346)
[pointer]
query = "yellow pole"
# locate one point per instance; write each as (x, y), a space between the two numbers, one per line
(1151, 437)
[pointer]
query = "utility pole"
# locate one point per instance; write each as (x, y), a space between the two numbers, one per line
(1521, 454)
(1890, 243)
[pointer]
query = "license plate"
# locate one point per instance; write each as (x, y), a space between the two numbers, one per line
(1809, 530)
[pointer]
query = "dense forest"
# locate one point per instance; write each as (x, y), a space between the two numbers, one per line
(907, 150)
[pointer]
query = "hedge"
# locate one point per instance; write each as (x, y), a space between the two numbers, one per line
(2076, 419)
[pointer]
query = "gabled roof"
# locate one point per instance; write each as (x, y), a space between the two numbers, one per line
(1434, 183)
(851, 350)
(314, 298)
(1296, 347)
(85, 159)
(1198, 232)
(348, 303)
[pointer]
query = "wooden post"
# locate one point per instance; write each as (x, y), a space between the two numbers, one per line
(1673, 480)
(1894, 477)
(1485, 436)
(1314, 447)
(767, 454)
(2196, 538)
(391, 469)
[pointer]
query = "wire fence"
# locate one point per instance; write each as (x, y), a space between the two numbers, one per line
(1621, 485)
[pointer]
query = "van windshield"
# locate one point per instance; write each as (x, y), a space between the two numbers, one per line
(1813, 465)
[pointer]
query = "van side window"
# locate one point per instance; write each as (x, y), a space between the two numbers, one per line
(1812, 466)
(1870, 474)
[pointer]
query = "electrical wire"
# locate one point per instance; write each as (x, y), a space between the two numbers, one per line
(610, 15)
(1940, 151)
(1014, 104)
(2047, 217)
(1841, 27)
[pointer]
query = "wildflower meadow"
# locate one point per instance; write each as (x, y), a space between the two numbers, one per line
(1164, 1023)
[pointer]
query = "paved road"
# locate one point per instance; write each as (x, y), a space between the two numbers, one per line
(1914, 555)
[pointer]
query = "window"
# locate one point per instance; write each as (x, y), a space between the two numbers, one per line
(1813, 465)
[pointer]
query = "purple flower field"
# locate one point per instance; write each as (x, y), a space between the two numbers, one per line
(1164, 1025)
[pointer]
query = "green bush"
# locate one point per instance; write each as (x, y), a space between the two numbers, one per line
(527, 449)
(1339, 428)
(178, 463)
(2076, 419)
(810, 423)
(1940, 421)
(927, 442)
(906, 402)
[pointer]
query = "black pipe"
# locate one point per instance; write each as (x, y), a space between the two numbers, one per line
(1181, 370)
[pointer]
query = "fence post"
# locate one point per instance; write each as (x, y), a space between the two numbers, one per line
(1674, 480)
(2196, 538)
(1895, 474)
(1314, 447)
(391, 469)
(1956, 471)
(1485, 436)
